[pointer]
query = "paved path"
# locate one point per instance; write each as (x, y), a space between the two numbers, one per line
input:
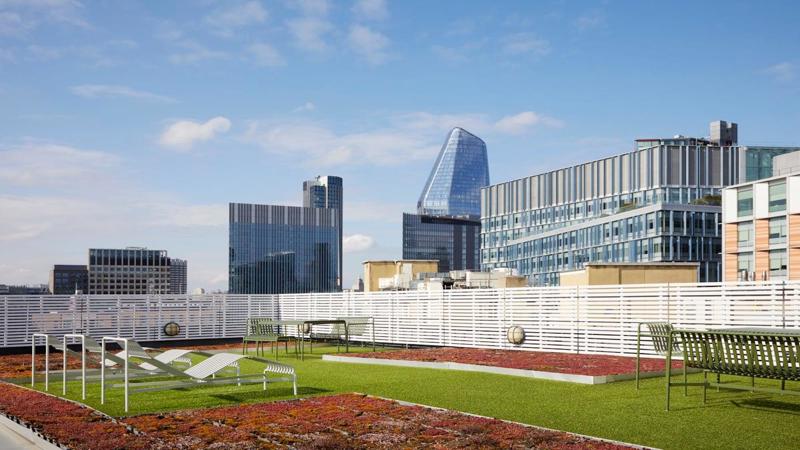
(11, 440)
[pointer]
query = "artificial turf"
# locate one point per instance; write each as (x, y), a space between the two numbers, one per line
(730, 419)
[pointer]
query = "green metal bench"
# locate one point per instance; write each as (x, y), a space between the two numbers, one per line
(774, 356)
(260, 330)
(658, 332)
(356, 326)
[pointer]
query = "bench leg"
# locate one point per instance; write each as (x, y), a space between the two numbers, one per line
(638, 345)
(705, 385)
(752, 384)
(717, 382)
(783, 384)
(685, 381)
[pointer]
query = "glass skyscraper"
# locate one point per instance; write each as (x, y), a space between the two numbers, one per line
(288, 249)
(659, 202)
(446, 227)
(454, 184)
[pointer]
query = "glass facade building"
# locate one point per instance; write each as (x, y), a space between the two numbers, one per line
(454, 242)
(283, 249)
(446, 227)
(68, 279)
(659, 202)
(327, 192)
(454, 184)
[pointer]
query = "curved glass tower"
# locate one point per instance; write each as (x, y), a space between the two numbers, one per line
(454, 185)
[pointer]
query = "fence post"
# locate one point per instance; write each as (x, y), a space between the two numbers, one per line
(577, 320)
(783, 305)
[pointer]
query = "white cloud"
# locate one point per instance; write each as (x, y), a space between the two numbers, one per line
(47, 164)
(111, 91)
(314, 144)
(266, 55)
(590, 20)
(524, 121)
(371, 9)
(525, 43)
(310, 7)
(305, 107)
(783, 72)
(182, 135)
(371, 45)
(357, 243)
(192, 52)
(22, 16)
(241, 15)
(310, 33)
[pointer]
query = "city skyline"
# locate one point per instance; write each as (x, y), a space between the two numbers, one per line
(136, 124)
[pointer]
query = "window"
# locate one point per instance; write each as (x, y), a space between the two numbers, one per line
(777, 230)
(777, 196)
(744, 263)
(777, 263)
(745, 234)
(744, 201)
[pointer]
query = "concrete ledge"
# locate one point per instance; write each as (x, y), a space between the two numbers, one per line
(554, 376)
(18, 436)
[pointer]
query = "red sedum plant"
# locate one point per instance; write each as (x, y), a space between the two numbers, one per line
(593, 365)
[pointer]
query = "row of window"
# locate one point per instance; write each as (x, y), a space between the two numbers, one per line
(746, 235)
(777, 265)
(690, 223)
(777, 198)
(662, 248)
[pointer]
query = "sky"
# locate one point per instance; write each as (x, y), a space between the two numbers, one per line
(135, 123)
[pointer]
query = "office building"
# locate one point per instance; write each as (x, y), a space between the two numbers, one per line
(177, 276)
(762, 229)
(128, 271)
(69, 279)
(454, 184)
(327, 192)
(446, 226)
(283, 249)
(659, 202)
(454, 242)
(786, 164)
(10, 289)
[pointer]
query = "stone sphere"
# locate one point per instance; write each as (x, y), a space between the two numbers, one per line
(172, 329)
(516, 335)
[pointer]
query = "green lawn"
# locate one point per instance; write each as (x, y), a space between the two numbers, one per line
(730, 419)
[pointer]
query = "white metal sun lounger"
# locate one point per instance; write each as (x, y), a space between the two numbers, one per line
(203, 373)
(90, 345)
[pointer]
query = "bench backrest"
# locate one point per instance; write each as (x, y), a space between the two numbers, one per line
(355, 325)
(261, 326)
(747, 354)
(659, 334)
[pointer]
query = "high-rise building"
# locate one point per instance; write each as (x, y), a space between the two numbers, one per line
(327, 192)
(177, 276)
(454, 184)
(69, 279)
(128, 271)
(453, 241)
(659, 202)
(762, 229)
(446, 227)
(288, 249)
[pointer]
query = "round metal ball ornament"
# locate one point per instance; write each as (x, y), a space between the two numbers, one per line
(515, 335)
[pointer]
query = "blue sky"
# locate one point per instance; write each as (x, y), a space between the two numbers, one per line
(126, 123)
